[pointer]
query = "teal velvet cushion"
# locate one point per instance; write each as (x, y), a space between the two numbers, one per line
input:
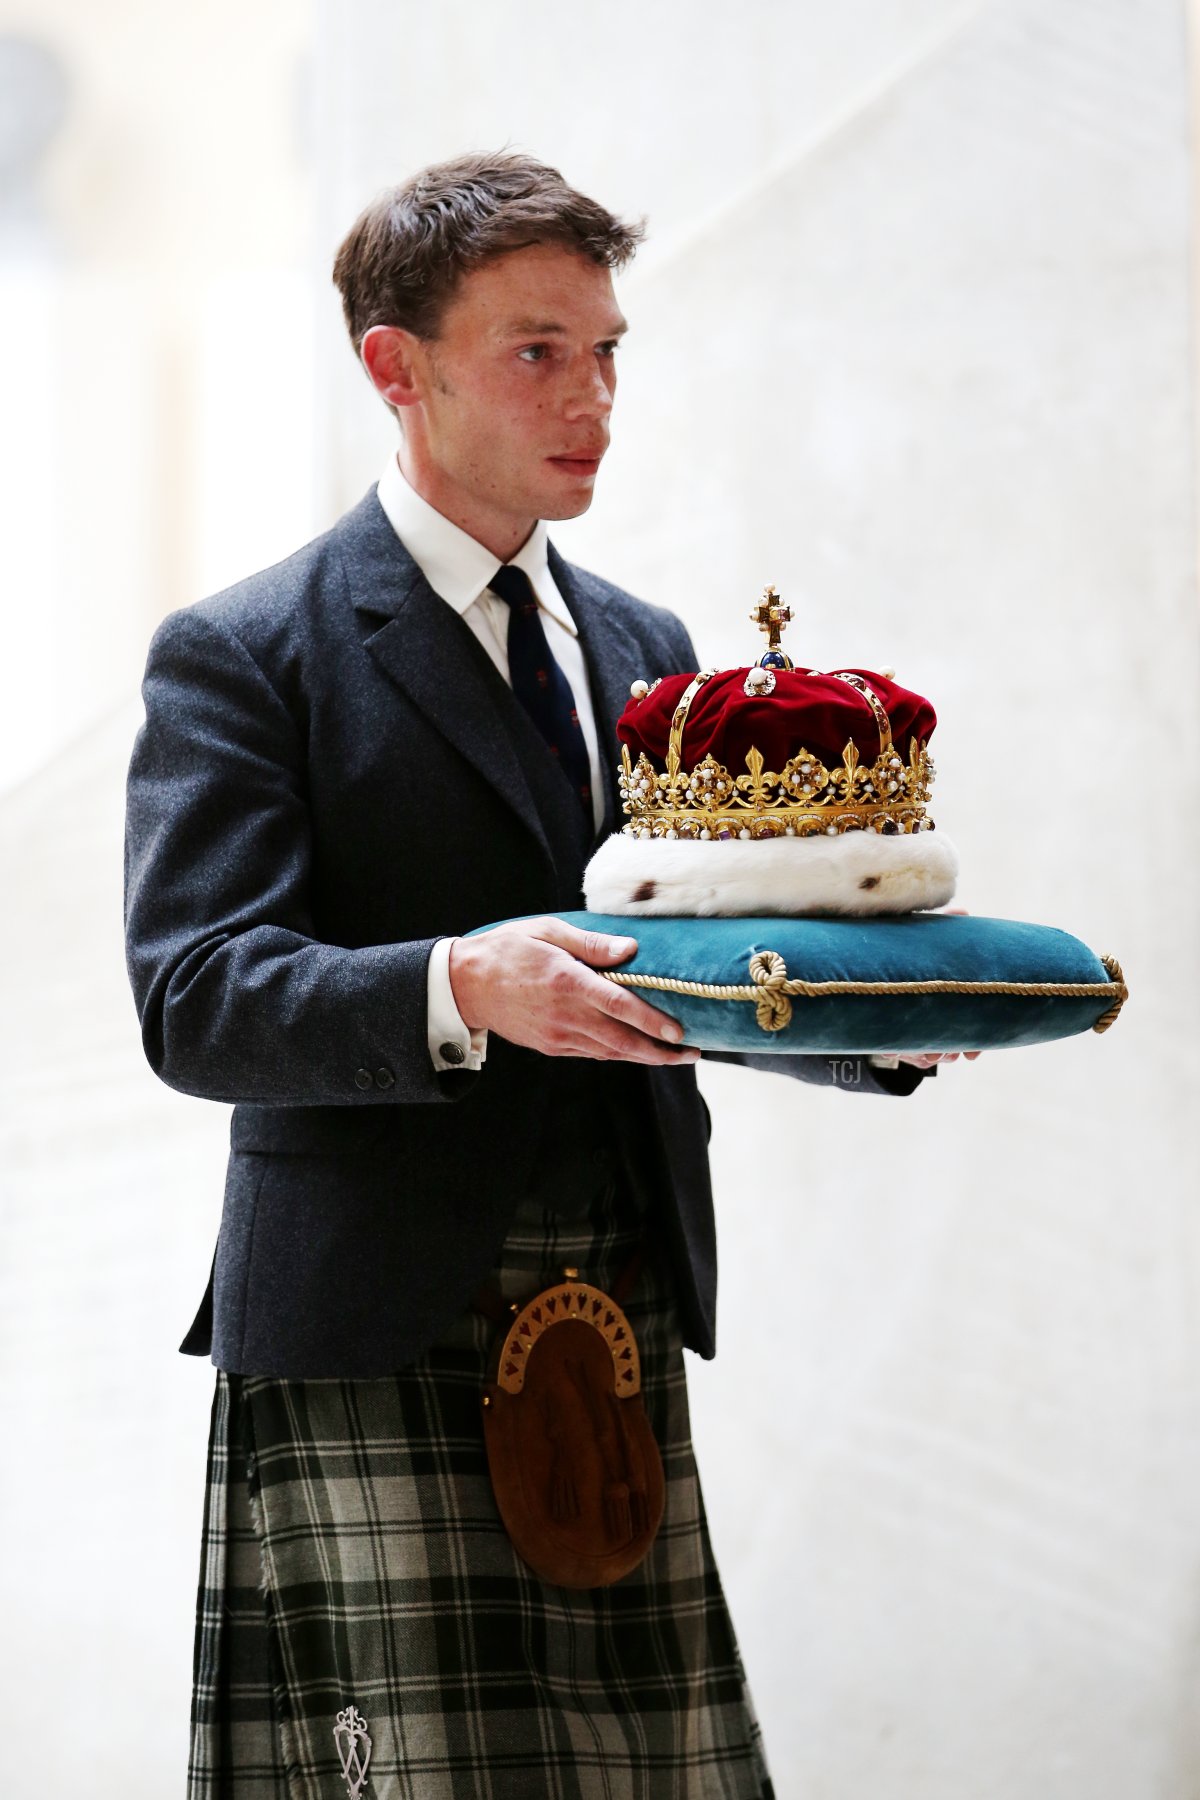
(757, 959)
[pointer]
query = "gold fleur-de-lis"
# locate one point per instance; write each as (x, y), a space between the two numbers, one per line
(755, 784)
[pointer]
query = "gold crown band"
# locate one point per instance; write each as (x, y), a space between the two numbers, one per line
(805, 797)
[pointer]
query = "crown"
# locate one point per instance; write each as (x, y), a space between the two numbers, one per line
(797, 784)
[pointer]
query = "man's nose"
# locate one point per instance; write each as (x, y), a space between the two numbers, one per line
(590, 392)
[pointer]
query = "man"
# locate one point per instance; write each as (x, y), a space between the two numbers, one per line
(349, 760)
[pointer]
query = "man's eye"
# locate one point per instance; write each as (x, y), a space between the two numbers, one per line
(610, 347)
(534, 352)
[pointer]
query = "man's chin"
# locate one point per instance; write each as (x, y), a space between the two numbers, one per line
(567, 498)
(564, 506)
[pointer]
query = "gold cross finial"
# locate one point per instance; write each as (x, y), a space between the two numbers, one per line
(770, 615)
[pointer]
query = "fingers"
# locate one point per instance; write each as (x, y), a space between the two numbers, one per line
(597, 948)
(588, 1007)
(538, 991)
(633, 1046)
(621, 1006)
(590, 1031)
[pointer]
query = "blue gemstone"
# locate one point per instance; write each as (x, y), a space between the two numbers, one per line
(774, 659)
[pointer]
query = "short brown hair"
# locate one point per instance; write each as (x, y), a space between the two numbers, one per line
(402, 259)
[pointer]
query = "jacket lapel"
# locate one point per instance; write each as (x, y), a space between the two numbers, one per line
(435, 658)
(432, 655)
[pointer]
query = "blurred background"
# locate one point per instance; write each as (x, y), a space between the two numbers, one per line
(914, 338)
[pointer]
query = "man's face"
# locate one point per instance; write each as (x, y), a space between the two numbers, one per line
(518, 386)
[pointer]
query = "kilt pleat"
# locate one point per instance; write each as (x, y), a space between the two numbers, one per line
(353, 1555)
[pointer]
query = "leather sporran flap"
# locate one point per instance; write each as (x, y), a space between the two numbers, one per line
(575, 1468)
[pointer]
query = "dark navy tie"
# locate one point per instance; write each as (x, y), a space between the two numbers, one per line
(539, 683)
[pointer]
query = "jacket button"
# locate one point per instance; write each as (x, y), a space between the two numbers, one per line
(364, 1079)
(453, 1053)
(384, 1078)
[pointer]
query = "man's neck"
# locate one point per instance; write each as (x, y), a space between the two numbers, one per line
(498, 532)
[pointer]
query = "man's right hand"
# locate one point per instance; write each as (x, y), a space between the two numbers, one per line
(531, 981)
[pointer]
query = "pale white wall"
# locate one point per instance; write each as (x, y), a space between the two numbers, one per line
(145, 459)
(174, 231)
(912, 338)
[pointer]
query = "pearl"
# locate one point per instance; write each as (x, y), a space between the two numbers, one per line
(743, 833)
(706, 834)
(639, 689)
(759, 681)
(831, 831)
(789, 831)
(672, 833)
(888, 674)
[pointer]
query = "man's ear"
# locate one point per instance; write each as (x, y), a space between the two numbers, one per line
(389, 355)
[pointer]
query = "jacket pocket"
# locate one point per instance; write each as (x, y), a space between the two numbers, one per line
(312, 1130)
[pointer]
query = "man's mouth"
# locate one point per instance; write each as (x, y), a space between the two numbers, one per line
(578, 465)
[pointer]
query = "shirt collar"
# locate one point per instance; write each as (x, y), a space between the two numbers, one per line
(457, 566)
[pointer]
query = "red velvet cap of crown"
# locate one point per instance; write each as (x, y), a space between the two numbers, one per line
(806, 711)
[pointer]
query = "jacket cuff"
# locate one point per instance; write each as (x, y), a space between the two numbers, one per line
(901, 1079)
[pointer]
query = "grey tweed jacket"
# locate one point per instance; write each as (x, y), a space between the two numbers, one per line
(325, 784)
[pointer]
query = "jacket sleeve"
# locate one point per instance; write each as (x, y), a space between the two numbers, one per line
(239, 1000)
(854, 1073)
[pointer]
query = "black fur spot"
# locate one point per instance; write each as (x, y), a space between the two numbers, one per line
(869, 881)
(646, 890)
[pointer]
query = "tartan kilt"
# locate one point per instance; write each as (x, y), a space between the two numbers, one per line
(353, 1556)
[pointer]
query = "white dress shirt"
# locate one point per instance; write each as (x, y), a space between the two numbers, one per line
(458, 568)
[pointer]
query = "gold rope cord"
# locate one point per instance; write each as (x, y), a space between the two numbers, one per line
(772, 989)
